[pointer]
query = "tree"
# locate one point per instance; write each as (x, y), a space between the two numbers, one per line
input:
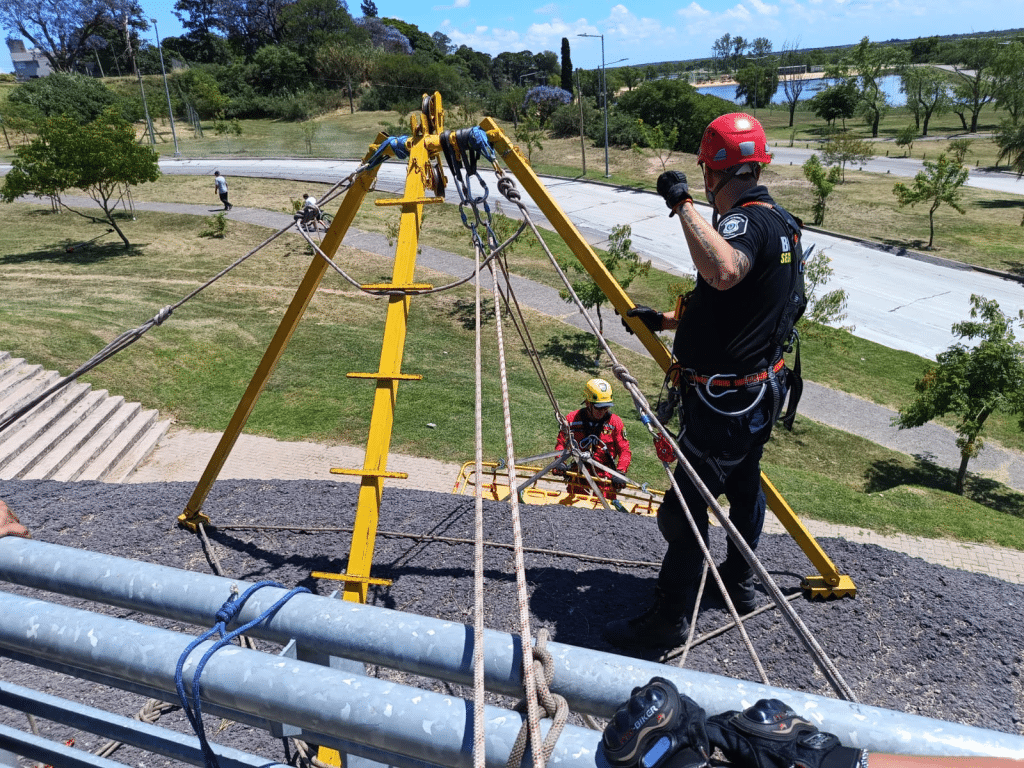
(198, 16)
(630, 77)
(674, 104)
(906, 137)
(252, 24)
(544, 100)
(384, 37)
(739, 45)
(348, 64)
(927, 91)
(791, 74)
(369, 8)
(938, 183)
(200, 89)
(871, 63)
(62, 30)
(1010, 141)
(566, 67)
(972, 383)
(756, 85)
(277, 71)
(828, 308)
(100, 158)
(974, 86)
(309, 25)
(823, 182)
(621, 260)
(1009, 91)
(960, 148)
(836, 102)
(843, 148)
(443, 43)
(722, 47)
(659, 141)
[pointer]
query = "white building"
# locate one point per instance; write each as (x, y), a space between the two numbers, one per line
(27, 63)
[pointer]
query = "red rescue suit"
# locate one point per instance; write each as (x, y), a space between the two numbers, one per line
(605, 439)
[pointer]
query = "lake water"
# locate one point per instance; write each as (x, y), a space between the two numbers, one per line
(890, 84)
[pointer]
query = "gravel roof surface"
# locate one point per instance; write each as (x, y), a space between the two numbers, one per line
(918, 637)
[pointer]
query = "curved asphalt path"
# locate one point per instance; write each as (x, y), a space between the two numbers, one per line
(930, 443)
(900, 299)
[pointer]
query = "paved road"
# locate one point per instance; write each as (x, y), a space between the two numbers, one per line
(896, 299)
(995, 181)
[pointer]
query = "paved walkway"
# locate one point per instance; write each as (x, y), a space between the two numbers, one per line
(182, 455)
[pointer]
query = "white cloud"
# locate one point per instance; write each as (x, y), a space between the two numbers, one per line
(764, 9)
(456, 4)
(693, 11)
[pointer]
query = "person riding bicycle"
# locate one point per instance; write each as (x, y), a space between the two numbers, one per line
(308, 213)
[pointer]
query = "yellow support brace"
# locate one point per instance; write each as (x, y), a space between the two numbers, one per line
(382, 417)
(620, 300)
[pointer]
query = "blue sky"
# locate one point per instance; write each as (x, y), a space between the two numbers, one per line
(662, 30)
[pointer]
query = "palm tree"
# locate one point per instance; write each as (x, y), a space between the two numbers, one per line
(1010, 139)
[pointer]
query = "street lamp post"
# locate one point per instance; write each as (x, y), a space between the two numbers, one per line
(604, 90)
(170, 110)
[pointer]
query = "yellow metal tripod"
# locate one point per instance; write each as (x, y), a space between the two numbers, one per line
(423, 148)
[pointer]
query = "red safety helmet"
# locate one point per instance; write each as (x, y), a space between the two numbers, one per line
(731, 140)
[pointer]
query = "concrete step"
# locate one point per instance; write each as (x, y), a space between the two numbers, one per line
(120, 451)
(27, 382)
(24, 433)
(138, 453)
(49, 438)
(82, 444)
(75, 434)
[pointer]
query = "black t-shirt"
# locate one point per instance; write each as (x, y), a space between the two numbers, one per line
(730, 332)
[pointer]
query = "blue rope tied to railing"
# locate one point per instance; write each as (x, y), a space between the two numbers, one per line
(227, 613)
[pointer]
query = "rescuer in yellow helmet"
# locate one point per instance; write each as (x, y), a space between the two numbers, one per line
(597, 430)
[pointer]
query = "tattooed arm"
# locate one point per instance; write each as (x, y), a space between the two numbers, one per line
(721, 265)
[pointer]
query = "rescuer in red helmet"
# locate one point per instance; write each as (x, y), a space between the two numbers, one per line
(728, 352)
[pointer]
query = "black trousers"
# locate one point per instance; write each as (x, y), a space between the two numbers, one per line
(725, 451)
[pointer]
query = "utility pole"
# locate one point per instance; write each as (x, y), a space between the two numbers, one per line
(604, 91)
(170, 110)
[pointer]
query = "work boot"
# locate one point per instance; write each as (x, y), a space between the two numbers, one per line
(739, 583)
(664, 625)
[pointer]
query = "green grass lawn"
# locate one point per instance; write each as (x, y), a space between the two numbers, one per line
(61, 308)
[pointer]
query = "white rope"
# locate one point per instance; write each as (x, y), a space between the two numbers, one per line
(525, 634)
(479, 743)
(826, 665)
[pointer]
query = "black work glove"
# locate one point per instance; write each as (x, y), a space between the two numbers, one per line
(652, 318)
(771, 735)
(672, 186)
(657, 728)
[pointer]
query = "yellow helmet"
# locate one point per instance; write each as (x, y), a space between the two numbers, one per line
(598, 392)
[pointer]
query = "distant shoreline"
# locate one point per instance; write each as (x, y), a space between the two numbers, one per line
(726, 80)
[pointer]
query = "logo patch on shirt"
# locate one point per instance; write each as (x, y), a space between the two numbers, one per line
(733, 226)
